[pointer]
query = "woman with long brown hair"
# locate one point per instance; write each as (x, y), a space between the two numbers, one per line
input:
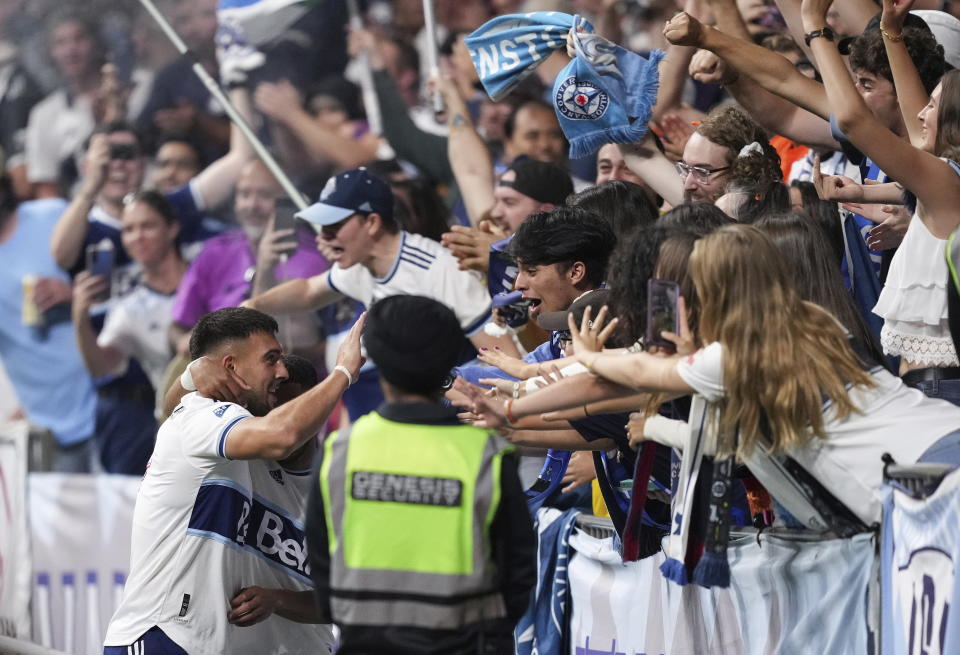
(778, 373)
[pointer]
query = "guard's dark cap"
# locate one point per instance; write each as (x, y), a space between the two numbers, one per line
(414, 342)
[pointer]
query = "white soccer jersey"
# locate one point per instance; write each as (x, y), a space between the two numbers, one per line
(138, 325)
(422, 268)
(205, 527)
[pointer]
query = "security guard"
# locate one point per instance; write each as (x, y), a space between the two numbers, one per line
(418, 532)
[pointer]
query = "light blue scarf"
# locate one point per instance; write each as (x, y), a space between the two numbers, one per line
(605, 94)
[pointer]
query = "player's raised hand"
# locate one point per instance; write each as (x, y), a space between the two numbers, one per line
(350, 354)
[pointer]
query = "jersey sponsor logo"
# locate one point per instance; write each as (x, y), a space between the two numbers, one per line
(407, 489)
(221, 410)
(924, 588)
(277, 475)
(580, 100)
(222, 512)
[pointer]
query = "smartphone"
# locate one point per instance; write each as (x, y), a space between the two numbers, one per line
(284, 219)
(100, 258)
(662, 312)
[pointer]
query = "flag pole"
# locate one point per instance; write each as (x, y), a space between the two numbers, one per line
(214, 88)
(433, 66)
(368, 92)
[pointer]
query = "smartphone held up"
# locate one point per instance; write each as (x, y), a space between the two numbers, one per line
(663, 313)
(100, 259)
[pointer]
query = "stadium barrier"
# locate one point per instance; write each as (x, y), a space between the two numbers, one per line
(61, 576)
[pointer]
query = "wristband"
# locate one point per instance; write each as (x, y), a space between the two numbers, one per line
(186, 378)
(343, 369)
(516, 390)
(508, 411)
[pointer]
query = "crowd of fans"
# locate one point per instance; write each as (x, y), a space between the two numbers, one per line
(798, 182)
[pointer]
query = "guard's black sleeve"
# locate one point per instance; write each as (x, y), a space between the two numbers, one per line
(317, 545)
(514, 542)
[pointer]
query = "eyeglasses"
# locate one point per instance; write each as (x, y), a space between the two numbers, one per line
(700, 173)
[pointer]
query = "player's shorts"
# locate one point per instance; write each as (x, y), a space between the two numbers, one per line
(153, 642)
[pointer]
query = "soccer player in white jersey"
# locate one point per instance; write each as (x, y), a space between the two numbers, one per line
(375, 259)
(206, 525)
(286, 484)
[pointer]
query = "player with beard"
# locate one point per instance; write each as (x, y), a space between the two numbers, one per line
(197, 526)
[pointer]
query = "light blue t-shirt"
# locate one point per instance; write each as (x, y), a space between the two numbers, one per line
(44, 366)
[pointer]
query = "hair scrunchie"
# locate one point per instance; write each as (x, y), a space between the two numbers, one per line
(750, 148)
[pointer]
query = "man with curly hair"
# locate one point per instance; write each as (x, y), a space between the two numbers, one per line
(712, 152)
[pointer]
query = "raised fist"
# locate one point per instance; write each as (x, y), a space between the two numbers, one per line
(683, 29)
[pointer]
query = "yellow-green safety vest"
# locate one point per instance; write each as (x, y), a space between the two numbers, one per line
(408, 509)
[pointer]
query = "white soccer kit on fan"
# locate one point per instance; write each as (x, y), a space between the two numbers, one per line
(138, 325)
(205, 527)
(422, 268)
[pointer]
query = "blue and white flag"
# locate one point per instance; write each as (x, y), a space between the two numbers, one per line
(605, 94)
(257, 22)
(544, 629)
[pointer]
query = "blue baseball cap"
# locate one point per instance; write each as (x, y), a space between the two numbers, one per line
(351, 192)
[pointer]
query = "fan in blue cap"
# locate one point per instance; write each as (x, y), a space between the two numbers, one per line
(352, 192)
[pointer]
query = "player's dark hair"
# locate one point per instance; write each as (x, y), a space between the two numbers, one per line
(564, 236)
(301, 371)
(228, 324)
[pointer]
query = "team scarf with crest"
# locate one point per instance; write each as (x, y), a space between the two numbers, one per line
(605, 94)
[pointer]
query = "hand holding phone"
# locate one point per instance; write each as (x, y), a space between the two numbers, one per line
(284, 219)
(100, 259)
(663, 313)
